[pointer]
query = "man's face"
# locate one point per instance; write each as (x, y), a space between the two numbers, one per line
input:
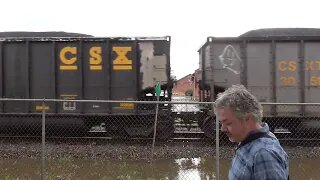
(235, 128)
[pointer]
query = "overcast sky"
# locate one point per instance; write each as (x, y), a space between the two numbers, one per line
(188, 22)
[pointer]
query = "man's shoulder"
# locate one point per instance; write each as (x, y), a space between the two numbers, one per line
(271, 163)
(268, 149)
(260, 144)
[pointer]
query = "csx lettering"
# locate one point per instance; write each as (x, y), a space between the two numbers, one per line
(292, 65)
(68, 64)
(68, 58)
(312, 65)
(309, 65)
(122, 62)
(287, 66)
(95, 58)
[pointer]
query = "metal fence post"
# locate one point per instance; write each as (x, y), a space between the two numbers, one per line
(43, 140)
(155, 127)
(157, 91)
(217, 148)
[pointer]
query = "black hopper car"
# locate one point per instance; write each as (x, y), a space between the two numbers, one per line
(70, 66)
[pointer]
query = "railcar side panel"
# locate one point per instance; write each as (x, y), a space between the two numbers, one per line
(287, 80)
(1, 75)
(42, 75)
(69, 76)
(153, 63)
(259, 80)
(96, 75)
(312, 76)
(124, 75)
(16, 76)
(225, 71)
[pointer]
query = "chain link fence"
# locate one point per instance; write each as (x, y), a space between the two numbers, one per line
(84, 139)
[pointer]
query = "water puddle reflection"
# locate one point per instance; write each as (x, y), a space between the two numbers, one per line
(177, 169)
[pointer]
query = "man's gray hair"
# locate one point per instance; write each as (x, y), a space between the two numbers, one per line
(240, 101)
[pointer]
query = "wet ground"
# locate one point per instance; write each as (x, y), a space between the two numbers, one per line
(96, 160)
(184, 168)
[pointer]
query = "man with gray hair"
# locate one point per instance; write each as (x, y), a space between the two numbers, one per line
(259, 154)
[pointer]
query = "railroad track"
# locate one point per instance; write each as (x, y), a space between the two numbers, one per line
(179, 136)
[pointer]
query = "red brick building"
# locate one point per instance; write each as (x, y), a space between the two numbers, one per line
(187, 83)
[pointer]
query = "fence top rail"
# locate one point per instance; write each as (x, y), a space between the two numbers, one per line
(142, 102)
(105, 101)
